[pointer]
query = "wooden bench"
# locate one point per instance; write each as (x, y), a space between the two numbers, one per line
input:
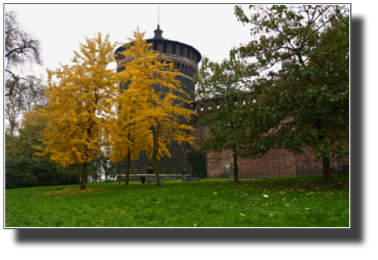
(154, 181)
(190, 179)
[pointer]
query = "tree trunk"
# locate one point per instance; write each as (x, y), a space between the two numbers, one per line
(12, 128)
(84, 176)
(156, 171)
(155, 133)
(235, 168)
(127, 169)
(327, 169)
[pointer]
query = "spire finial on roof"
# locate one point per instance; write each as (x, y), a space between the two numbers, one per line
(158, 33)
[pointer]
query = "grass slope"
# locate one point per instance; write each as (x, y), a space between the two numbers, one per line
(291, 202)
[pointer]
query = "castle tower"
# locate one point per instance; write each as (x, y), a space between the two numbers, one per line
(185, 59)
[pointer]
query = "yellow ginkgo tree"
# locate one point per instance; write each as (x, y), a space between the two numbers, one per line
(154, 90)
(80, 108)
(129, 135)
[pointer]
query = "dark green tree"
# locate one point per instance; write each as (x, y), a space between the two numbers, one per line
(222, 89)
(307, 103)
(29, 142)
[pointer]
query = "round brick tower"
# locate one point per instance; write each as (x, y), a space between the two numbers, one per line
(185, 59)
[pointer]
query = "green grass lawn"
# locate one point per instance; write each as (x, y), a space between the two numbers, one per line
(291, 202)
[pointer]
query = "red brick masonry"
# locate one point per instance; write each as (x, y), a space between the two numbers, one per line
(275, 163)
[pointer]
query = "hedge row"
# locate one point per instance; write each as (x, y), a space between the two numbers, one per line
(25, 172)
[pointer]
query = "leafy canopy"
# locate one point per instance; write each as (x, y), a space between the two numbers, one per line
(222, 91)
(151, 113)
(154, 98)
(306, 104)
(80, 107)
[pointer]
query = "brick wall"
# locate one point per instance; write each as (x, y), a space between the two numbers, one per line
(275, 163)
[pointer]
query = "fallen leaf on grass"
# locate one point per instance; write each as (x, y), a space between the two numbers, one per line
(287, 205)
(214, 192)
(241, 214)
(307, 208)
(283, 199)
(271, 215)
(195, 225)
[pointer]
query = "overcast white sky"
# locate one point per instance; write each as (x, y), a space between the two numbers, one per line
(212, 28)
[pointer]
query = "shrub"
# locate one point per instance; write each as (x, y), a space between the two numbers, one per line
(28, 179)
(26, 172)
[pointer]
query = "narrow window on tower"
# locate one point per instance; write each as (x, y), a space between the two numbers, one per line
(181, 50)
(173, 48)
(155, 46)
(164, 47)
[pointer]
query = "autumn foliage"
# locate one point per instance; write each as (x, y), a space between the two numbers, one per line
(148, 117)
(88, 110)
(79, 112)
